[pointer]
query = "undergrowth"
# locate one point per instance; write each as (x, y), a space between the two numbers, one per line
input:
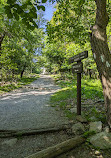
(91, 89)
(9, 86)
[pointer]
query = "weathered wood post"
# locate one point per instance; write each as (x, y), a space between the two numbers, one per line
(79, 92)
(78, 68)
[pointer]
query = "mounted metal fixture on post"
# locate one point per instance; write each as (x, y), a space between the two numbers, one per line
(78, 68)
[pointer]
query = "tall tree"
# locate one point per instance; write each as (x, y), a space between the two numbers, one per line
(17, 48)
(101, 53)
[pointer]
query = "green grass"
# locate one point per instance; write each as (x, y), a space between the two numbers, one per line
(98, 115)
(90, 89)
(8, 88)
(63, 94)
(27, 80)
(18, 84)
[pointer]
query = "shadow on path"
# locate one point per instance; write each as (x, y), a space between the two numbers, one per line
(28, 108)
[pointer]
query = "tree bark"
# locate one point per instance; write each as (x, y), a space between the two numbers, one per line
(21, 75)
(1, 40)
(102, 54)
(22, 72)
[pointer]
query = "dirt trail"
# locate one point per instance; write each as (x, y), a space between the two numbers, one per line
(28, 108)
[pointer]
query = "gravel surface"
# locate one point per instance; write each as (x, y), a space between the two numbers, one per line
(28, 108)
(25, 146)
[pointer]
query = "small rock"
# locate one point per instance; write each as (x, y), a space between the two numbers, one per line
(106, 129)
(68, 106)
(81, 119)
(93, 118)
(73, 110)
(100, 156)
(96, 126)
(78, 128)
(10, 142)
(101, 140)
(97, 152)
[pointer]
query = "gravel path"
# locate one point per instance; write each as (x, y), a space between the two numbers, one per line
(28, 108)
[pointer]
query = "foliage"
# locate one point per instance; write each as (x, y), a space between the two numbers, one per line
(97, 115)
(25, 10)
(18, 84)
(71, 21)
(28, 80)
(58, 54)
(66, 98)
(55, 55)
(70, 25)
(68, 91)
(69, 29)
(88, 134)
(18, 48)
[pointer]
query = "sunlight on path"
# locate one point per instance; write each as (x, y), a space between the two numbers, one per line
(28, 108)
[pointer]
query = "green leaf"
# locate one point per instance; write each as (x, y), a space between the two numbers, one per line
(16, 6)
(24, 6)
(33, 13)
(41, 7)
(19, 9)
(44, 1)
(11, 1)
(16, 16)
(35, 25)
(7, 7)
(8, 12)
(10, 15)
(81, 2)
(38, 7)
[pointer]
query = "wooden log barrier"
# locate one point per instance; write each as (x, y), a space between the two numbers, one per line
(28, 132)
(59, 149)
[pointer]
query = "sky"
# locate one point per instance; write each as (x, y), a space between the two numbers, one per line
(49, 11)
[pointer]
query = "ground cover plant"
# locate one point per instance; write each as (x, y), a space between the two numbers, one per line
(90, 88)
(11, 85)
(92, 109)
(91, 98)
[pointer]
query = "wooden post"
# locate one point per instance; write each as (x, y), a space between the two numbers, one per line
(78, 68)
(78, 93)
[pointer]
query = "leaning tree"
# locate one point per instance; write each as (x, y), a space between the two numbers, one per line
(101, 53)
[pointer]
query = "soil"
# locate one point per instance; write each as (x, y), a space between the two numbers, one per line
(85, 151)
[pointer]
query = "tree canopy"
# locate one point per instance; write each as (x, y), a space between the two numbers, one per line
(18, 45)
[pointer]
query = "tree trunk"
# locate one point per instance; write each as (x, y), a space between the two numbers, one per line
(22, 72)
(21, 75)
(102, 54)
(1, 40)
